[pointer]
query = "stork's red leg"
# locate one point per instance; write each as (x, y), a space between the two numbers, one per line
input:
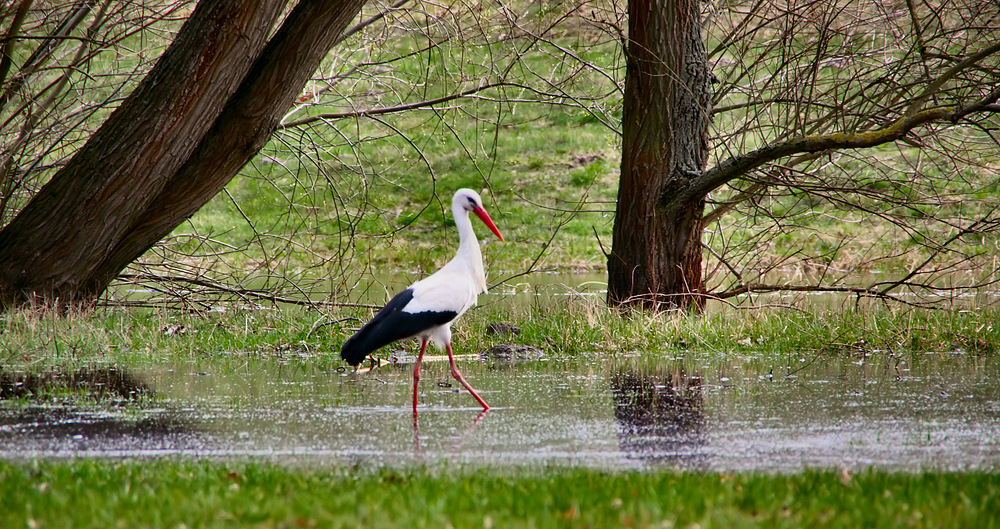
(455, 373)
(416, 372)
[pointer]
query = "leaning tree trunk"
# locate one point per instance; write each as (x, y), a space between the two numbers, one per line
(208, 106)
(655, 259)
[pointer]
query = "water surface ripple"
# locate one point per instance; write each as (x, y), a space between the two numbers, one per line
(934, 411)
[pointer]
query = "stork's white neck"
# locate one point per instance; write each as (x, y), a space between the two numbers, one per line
(469, 256)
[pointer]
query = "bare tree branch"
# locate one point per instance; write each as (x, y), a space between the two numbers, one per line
(740, 165)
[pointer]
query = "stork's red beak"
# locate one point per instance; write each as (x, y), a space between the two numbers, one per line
(485, 217)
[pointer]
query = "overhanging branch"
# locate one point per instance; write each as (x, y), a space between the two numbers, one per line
(731, 168)
(329, 116)
(739, 165)
(763, 288)
(429, 103)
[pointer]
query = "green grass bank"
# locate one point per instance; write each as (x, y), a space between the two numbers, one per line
(168, 493)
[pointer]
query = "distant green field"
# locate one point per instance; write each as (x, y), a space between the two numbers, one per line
(355, 199)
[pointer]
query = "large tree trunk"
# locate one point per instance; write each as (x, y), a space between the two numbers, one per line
(208, 106)
(655, 259)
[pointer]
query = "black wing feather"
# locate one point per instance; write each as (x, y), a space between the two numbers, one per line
(389, 325)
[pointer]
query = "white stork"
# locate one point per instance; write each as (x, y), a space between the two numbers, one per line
(427, 309)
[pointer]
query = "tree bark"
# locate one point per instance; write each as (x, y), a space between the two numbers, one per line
(655, 259)
(246, 124)
(208, 106)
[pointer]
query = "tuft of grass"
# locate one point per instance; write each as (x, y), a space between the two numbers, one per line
(168, 493)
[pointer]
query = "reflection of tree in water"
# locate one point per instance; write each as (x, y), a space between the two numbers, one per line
(659, 414)
(73, 411)
(94, 383)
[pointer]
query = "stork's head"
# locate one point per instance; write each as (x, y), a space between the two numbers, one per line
(469, 200)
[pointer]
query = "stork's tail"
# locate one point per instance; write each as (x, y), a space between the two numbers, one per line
(390, 324)
(356, 349)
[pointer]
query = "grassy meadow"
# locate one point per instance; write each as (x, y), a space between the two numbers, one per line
(344, 212)
(166, 493)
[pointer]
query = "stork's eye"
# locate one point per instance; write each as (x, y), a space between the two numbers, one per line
(472, 202)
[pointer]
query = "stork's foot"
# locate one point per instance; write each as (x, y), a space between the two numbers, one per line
(458, 376)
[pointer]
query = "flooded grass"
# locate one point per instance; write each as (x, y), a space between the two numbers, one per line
(694, 412)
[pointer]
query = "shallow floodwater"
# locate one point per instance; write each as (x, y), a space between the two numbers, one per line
(936, 410)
